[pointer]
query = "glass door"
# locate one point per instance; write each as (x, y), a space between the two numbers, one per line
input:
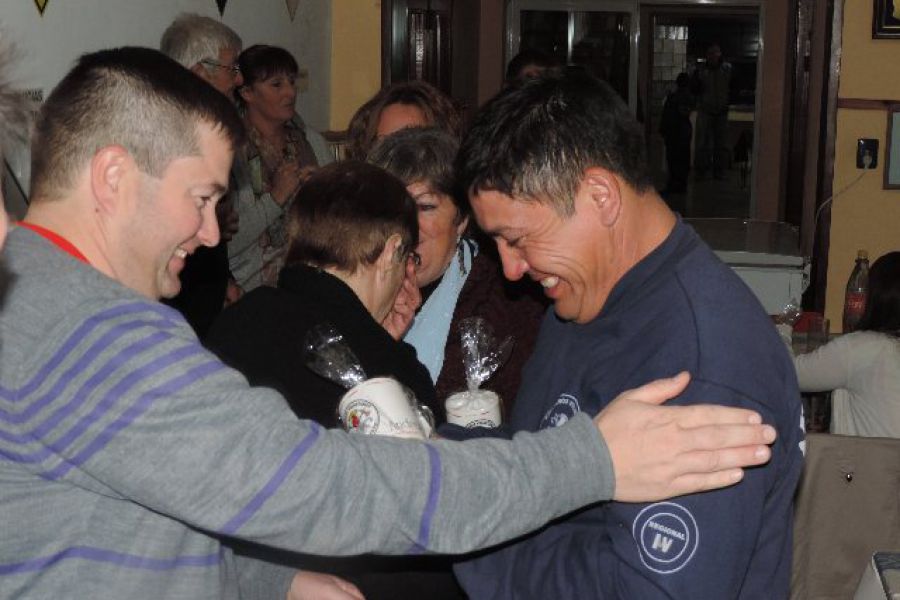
(599, 36)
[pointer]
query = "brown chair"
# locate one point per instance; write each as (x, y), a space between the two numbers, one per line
(847, 507)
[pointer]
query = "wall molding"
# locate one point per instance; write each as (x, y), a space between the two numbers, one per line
(866, 103)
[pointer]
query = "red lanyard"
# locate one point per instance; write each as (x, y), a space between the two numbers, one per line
(57, 240)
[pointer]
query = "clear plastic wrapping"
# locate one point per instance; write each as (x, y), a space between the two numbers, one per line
(377, 406)
(329, 356)
(483, 355)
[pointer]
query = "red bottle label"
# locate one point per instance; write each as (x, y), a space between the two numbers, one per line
(855, 303)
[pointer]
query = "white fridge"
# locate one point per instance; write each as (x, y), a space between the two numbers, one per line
(765, 254)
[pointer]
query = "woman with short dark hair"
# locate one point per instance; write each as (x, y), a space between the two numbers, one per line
(351, 233)
(349, 263)
(863, 368)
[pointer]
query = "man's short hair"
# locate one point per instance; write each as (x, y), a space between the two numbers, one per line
(344, 215)
(535, 140)
(137, 98)
(192, 39)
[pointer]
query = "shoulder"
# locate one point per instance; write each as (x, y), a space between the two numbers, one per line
(259, 314)
(316, 140)
(49, 289)
(868, 342)
(710, 312)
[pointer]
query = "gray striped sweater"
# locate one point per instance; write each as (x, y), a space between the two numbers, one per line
(127, 452)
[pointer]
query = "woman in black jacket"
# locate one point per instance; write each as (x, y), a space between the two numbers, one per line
(351, 230)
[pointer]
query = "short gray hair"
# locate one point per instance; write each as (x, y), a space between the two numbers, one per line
(192, 39)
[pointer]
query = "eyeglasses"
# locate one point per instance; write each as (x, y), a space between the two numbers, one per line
(235, 69)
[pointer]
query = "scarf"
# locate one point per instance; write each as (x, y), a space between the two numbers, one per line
(429, 331)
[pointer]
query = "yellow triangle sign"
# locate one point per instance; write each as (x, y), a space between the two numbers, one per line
(41, 5)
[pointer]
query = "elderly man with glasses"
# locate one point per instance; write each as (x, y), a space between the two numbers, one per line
(210, 50)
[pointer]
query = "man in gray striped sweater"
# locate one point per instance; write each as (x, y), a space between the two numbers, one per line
(129, 454)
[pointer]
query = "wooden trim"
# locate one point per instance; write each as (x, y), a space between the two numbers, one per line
(893, 109)
(822, 241)
(865, 103)
(387, 39)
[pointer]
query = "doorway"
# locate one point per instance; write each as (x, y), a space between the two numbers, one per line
(600, 36)
(716, 50)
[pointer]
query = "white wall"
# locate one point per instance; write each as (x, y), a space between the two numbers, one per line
(50, 43)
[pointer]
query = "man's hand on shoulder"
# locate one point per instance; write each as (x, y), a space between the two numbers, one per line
(664, 451)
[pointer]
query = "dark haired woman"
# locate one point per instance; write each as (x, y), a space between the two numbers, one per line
(280, 154)
(352, 230)
(350, 234)
(863, 367)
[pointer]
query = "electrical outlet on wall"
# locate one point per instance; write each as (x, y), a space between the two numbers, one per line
(866, 153)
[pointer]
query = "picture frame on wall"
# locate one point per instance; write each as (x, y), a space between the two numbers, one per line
(886, 19)
(892, 149)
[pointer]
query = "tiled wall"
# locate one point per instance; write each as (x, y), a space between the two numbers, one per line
(669, 59)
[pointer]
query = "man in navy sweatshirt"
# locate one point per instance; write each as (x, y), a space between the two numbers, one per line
(556, 174)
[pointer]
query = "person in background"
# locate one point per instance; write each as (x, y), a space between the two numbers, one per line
(862, 369)
(676, 129)
(405, 104)
(743, 156)
(131, 453)
(209, 49)
(280, 154)
(557, 174)
(457, 278)
(530, 63)
(711, 83)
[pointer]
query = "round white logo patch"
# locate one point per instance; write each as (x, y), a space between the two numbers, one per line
(667, 537)
(565, 408)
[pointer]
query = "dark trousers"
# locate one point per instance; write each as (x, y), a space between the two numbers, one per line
(712, 133)
(678, 161)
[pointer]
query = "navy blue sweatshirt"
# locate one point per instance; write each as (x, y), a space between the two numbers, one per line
(678, 309)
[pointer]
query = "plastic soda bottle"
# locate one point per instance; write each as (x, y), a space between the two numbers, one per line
(857, 292)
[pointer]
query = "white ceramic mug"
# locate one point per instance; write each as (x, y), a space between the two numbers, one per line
(478, 408)
(380, 406)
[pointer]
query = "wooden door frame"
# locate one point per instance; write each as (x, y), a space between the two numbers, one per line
(814, 299)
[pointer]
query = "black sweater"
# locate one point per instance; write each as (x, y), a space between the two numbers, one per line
(263, 334)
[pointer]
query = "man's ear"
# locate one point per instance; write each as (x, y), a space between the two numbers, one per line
(200, 71)
(602, 192)
(388, 258)
(110, 170)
